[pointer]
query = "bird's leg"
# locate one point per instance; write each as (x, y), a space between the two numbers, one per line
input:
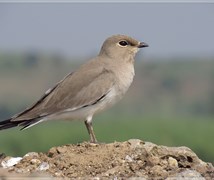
(90, 131)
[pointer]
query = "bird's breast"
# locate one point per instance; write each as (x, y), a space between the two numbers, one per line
(124, 79)
(122, 83)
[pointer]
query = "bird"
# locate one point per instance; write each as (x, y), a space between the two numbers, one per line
(95, 86)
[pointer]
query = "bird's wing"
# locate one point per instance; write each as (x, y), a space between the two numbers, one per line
(85, 87)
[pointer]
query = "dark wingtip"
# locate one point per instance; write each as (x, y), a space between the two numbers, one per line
(6, 124)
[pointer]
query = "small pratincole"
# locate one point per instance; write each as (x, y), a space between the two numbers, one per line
(95, 86)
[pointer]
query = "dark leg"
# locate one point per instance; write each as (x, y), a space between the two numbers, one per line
(90, 132)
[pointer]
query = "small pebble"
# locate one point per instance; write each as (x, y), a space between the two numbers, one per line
(44, 166)
(33, 154)
(135, 143)
(58, 173)
(173, 162)
(11, 162)
(128, 158)
(61, 150)
(35, 161)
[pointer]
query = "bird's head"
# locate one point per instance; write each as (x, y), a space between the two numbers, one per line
(121, 46)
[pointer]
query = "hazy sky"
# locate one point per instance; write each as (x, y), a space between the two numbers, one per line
(78, 29)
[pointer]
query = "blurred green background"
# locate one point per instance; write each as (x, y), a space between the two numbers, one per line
(170, 103)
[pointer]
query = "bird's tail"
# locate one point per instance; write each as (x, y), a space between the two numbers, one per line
(9, 123)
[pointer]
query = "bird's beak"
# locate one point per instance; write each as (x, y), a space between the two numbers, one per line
(142, 45)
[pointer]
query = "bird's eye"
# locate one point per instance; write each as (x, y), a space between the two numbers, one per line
(123, 43)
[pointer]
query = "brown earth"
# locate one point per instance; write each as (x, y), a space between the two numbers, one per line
(132, 159)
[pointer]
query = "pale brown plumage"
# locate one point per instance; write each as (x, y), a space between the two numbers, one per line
(97, 84)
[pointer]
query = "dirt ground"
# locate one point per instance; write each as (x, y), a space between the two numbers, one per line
(119, 160)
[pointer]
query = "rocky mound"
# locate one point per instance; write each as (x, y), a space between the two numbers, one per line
(129, 159)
